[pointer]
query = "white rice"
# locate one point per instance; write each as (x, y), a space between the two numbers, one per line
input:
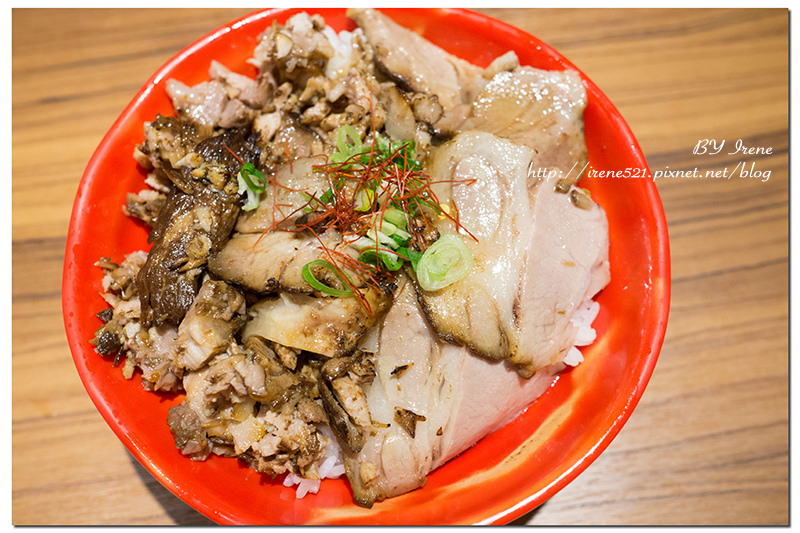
(342, 59)
(582, 318)
(330, 466)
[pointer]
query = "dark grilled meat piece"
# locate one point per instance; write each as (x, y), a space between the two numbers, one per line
(168, 140)
(214, 162)
(417, 65)
(145, 206)
(345, 401)
(196, 221)
(190, 227)
(188, 431)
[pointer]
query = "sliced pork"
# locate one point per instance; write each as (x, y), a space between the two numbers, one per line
(540, 109)
(267, 263)
(537, 257)
(418, 65)
(294, 184)
(208, 327)
(323, 325)
(426, 402)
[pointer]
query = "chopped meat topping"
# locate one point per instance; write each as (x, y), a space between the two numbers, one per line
(286, 362)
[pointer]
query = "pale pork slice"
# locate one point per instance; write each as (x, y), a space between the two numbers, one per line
(408, 375)
(258, 262)
(288, 193)
(485, 178)
(416, 64)
(567, 265)
(209, 325)
(273, 261)
(541, 109)
(538, 256)
(323, 325)
(429, 401)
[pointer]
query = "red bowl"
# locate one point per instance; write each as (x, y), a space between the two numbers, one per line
(505, 475)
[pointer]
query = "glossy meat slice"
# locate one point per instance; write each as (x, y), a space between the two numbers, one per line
(289, 192)
(541, 109)
(388, 461)
(566, 265)
(323, 325)
(188, 228)
(486, 178)
(267, 252)
(416, 64)
(272, 261)
(538, 256)
(210, 323)
(428, 401)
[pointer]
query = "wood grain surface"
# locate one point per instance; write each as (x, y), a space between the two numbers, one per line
(709, 441)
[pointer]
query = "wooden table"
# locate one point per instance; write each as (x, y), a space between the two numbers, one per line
(708, 444)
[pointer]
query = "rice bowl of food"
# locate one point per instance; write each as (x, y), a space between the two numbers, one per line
(360, 282)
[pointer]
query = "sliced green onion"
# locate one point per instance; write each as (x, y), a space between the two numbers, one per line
(345, 132)
(412, 255)
(390, 229)
(252, 182)
(369, 255)
(396, 217)
(346, 150)
(446, 261)
(248, 172)
(364, 200)
(327, 196)
(253, 199)
(383, 145)
(408, 155)
(400, 237)
(402, 153)
(390, 259)
(385, 227)
(381, 238)
(362, 243)
(350, 147)
(321, 287)
(312, 203)
(433, 205)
